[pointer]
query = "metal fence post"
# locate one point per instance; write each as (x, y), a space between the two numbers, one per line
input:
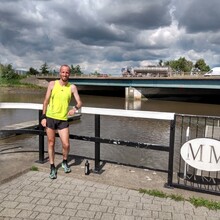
(171, 154)
(41, 139)
(97, 143)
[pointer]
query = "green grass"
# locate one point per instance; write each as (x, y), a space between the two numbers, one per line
(34, 168)
(197, 202)
(204, 202)
(154, 192)
(9, 82)
(17, 83)
(176, 197)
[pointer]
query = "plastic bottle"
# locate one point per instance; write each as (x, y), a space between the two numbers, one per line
(87, 170)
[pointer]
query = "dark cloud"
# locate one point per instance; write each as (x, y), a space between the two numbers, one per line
(199, 15)
(101, 36)
(107, 34)
(139, 14)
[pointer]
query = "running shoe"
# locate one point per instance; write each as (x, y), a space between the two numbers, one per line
(53, 173)
(66, 167)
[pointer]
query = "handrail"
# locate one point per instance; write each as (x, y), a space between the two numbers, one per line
(20, 105)
(97, 111)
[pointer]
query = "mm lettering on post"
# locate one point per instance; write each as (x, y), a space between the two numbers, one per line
(202, 154)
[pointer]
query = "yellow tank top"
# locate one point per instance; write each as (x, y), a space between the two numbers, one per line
(59, 101)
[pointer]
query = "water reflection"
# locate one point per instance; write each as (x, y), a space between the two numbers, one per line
(122, 128)
(133, 104)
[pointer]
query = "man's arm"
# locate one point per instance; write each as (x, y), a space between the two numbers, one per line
(46, 102)
(77, 98)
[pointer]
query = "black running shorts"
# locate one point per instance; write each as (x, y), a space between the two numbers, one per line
(57, 124)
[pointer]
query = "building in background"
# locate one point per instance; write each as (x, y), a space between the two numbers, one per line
(21, 71)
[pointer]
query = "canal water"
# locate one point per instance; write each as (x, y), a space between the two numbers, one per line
(119, 128)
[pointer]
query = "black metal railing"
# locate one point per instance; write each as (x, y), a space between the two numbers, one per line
(190, 127)
(182, 128)
(97, 139)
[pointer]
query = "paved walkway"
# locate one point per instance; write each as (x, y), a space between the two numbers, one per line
(110, 194)
(32, 195)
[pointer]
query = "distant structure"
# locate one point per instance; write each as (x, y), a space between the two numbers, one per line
(21, 71)
(146, 71)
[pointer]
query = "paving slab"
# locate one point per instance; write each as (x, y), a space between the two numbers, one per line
(111, 193)
(33, 195)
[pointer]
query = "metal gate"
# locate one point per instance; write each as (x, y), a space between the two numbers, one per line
(189, 127)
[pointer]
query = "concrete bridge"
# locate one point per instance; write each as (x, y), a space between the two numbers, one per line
(137, 87)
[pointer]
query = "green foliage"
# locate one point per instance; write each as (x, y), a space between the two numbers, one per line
(201, 65)
(145, 191)
(34, 168)
(44, 69)
(54, 72)
(160, 63)
(180, 65)
(16, 83)
(5, 82)
(75, 70)
(7, 72)
(183, 65)
(154, 192)
(213, 205)
(204, 202)
(32, 71)
(176, 197)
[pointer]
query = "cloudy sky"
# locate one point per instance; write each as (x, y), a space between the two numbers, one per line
(106, 35)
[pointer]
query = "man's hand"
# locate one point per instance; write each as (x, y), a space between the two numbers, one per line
(43, 122)
(72, 112)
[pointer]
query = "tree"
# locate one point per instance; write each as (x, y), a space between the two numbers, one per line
(44, 69)
(76, 70)
(7, 72)
(180, 65)
(32, 71)
(184, 65)
(160, 63)
(201, 65)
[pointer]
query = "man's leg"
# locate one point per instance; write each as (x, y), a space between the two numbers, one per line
(51, 151)
(51, 144)
(64, 137)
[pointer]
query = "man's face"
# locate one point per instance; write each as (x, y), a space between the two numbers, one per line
(64, 73)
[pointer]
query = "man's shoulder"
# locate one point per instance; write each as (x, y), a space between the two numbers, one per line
(51, 84)
(73, 87)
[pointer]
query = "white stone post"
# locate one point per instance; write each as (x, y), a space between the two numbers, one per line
(133, 93)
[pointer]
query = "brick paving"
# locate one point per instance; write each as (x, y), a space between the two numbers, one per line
(33, 195)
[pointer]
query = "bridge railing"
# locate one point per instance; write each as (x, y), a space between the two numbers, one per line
(97, 139)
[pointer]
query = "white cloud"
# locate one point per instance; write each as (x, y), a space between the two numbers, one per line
(108, 35)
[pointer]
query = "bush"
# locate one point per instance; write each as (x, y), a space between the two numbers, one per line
(7, 72)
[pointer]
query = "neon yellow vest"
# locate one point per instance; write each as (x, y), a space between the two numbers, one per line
(59, 101)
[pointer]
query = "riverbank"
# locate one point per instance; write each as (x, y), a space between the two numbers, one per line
(21, 90)
(28, 85)
(35, 81)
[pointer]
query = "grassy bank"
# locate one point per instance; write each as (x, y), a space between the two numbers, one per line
(18, 83)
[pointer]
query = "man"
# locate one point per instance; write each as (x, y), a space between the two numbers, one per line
(55, 116)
